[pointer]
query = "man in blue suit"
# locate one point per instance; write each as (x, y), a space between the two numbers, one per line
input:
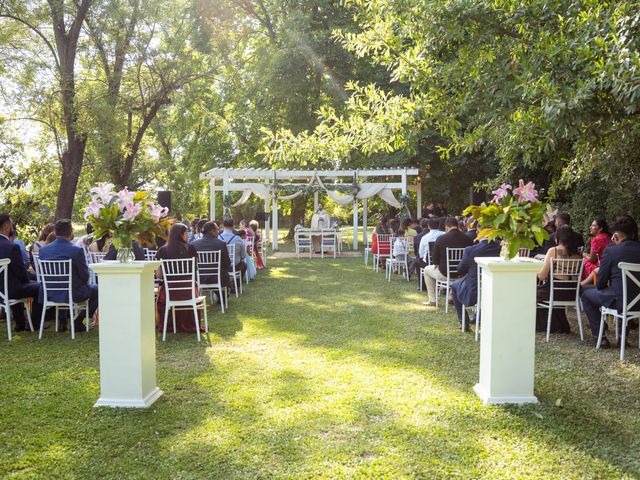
(62, 249)
(19, 284)
(465, 290)
(608, 291)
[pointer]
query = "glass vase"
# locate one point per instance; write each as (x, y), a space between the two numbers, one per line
(125, 254)
(504, 250)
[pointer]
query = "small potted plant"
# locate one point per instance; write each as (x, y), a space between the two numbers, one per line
(126, 216)
(515, 215)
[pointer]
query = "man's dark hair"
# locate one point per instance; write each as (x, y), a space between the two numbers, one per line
(434, 223)
(564, 217)
(451, 222)
(89, 228)
(64, 228)
(424, 223)
(201, 224)
(626, 225)
(4, 218)
(227, 223)
(209, 227)
(194, 222)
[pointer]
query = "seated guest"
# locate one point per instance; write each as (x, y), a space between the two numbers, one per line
(193, 229)
(472, 228)
(415, 225)
(601, 238)
(419, 262)
(85, 240)
(399, 251)
(608, 291)
(376, 248)
(465, 290)
(23, 250)
(564, 218)
(426, 243)
(18, 281)
(257, 243)
(211, 243)
(394, 225)
(230, 237)
(566, 248)
(406, 228)
(177, 247)
(453, 238)
(63, 249)
(46, 231)
(100, 245)
(248, 258)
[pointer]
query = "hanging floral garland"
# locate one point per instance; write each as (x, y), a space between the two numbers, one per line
(226, 207)
(404, 207)
(348, 188)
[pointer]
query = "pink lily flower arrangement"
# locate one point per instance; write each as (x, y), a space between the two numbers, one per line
(125, 215)
(514, 215)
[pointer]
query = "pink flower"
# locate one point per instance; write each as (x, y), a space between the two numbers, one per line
(93, 209)
(125, 197)
(104, 191)
(526, 193)
(131, 211)
(157, 212)
(500, 193)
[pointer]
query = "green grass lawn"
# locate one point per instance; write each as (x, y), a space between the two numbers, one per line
(321, 370)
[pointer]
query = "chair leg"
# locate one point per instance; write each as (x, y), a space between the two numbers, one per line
(446, 298)
(164, 326)
(477, 324)
(222, 298)
(7, 310)
(57, 318)
(464, 316)
(42, 315)
(603, 319)
(173, 318)
(72, 321)
(235, 283)
(206, 320)
(197, 320)
(579, 316)
(623, 337)
(549, 320)
(28, 312)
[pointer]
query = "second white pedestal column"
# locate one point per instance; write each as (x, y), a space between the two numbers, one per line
(127, 334)
(507, 331)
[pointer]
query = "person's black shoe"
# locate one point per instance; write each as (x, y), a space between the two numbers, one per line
(20, 328)
(604, 344)
(78, 327)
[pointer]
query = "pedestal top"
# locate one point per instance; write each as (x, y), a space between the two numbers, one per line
(113, 267)
(498, 264)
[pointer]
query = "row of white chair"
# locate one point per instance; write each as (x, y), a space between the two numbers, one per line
(328, 242)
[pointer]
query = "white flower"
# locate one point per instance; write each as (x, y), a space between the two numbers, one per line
(131, 211)
(125, 197)
(157, 212)
(93, 209)
(104, 191)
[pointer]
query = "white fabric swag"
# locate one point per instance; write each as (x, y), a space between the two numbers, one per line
(367, 190)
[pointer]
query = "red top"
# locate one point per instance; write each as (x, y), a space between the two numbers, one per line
(598, 244)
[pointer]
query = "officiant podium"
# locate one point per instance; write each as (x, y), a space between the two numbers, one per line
(319, 221)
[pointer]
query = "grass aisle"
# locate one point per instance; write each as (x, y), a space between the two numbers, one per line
(321, 370)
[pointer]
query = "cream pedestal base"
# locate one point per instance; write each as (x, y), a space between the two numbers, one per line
(127, 334)
(507, 331)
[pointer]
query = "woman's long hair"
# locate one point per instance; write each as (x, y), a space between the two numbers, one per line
(566, 237)
(48, 228)
(176, 245)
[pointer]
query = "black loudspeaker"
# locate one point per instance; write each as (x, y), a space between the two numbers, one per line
(164, 198)
(476, 198)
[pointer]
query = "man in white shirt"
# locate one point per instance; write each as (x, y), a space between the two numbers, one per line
(431, 237)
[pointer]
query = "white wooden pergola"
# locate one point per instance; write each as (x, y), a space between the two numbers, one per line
(244, 179)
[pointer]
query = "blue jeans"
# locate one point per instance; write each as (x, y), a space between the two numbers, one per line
(592, 300)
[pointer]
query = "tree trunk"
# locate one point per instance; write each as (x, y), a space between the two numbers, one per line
(72, 164)
(298, 210)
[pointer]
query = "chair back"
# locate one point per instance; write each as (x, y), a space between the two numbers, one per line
(454, 255)
(571, 268)
(179, 277)
(303, 239)
(209, 267)
(96, 257)
(250, 245)
(384, 241)
(149, 255)
(232, 255)
(4, 281)
(329, 238)
(524, 252)
(404, 247)
(427, 258)
(36, 265)
(630, 288)
(56, 278)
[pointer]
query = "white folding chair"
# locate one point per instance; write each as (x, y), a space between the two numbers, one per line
(454, 255)
(427, 260)
(564, 267)
(36, 266)
(235, 274)
(524, 252)
(477, 306)
(384, 243)
(56, 277)
(630, 307)
(303, 242)
(94, 257)
(248, 248)
(367, 250)
(149, 254)
(328, 241)
(179, 276)
(5, 302)
(400, 261)
(210, 275)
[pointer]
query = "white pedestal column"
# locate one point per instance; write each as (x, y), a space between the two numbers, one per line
(507, 331)
(127, 334)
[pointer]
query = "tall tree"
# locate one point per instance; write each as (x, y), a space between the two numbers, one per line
(66, 20)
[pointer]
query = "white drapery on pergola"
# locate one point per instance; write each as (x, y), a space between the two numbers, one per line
(261, 182)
